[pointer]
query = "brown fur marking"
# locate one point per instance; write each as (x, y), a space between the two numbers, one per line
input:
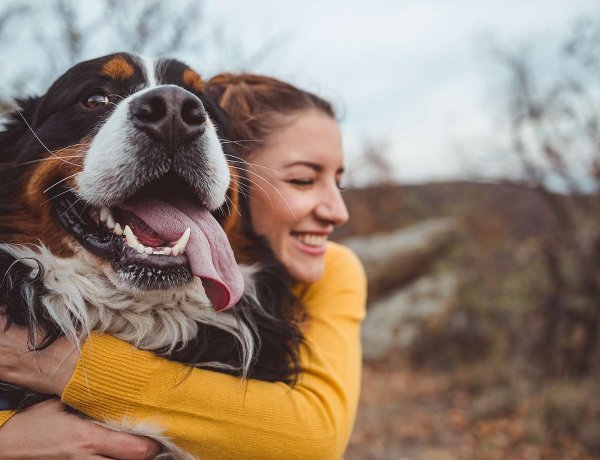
(36, 219)
(193, 80)
(118, 68)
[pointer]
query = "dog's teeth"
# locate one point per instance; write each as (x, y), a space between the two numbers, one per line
(167, 251)
(148, 250)
(118, 229)
(140, 248)
(182, 242)
(130, 237)
(110, 222)
(104, 213)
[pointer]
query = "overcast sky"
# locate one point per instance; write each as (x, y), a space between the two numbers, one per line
(414, 73)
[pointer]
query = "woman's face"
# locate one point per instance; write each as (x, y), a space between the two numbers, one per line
(295, 201)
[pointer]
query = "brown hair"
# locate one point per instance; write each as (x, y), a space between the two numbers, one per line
(253, 102)
(256, 106)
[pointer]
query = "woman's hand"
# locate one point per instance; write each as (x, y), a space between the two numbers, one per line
(45, 371)
(46, 431)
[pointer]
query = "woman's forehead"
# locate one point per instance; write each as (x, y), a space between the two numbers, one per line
(309, 137)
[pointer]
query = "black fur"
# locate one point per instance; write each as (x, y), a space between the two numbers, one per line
(57, 120)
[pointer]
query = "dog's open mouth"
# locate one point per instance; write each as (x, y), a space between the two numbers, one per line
(156, 241)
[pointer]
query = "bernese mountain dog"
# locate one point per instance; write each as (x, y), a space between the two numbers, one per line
(116, 203)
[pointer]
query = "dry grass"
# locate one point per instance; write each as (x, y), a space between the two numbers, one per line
(471, 413)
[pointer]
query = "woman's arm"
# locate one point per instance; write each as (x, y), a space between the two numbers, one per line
(218, 416)
(214, 415)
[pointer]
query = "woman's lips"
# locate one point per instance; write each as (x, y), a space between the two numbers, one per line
(310, 242)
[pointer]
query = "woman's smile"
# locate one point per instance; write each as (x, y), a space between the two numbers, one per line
(310, 242)
(297, 202)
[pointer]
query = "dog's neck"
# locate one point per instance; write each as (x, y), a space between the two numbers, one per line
(81, 298)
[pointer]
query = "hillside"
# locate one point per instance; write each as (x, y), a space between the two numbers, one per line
(498, 207)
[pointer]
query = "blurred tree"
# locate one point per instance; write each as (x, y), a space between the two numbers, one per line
(372, 171)
(372, 166)
(554, 126)
(41, 39)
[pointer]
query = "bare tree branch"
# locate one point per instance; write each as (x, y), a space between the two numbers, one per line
(555, 132)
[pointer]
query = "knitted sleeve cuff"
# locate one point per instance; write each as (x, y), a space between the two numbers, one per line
(5, 415)
(109, 377)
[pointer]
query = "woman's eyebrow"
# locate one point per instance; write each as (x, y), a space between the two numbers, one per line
(309, 164)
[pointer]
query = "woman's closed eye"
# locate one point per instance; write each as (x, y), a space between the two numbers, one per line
(301, 182)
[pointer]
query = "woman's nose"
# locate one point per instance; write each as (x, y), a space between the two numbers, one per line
(332, 207)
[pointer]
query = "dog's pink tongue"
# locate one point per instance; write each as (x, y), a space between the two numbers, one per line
(208, 250)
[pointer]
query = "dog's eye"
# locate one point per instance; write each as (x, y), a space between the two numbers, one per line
(96, 100)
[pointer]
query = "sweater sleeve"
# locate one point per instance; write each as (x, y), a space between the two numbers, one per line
(214, 415)
(5, 415)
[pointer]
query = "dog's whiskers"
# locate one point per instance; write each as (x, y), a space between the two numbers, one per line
(271, 185)
(265, 192)
(47, 159)
(243, 188)
(239, 142)
(79, 153)
(227, 206)
(60, 181)
(40, 141)
(229, 200)
(69, 208)
(238, 160)
(69, 189)
(85, 206)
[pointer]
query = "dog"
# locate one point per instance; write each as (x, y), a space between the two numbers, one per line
(115, 199)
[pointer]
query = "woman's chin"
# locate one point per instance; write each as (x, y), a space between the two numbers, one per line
(305, 266)
(306, 272)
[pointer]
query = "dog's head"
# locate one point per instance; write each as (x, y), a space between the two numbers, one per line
(120, 161)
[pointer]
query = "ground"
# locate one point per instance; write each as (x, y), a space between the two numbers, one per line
(406, 414)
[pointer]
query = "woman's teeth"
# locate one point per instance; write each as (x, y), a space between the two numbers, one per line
(132, 241)
(311, 239)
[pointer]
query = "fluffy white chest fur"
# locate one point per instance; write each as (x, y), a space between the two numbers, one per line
(82, 298)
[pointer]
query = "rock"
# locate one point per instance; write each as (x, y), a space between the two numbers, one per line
(396, 320)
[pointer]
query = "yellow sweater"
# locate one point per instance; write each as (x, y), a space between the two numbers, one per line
(214, 415)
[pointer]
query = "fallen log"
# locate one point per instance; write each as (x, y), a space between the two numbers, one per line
(395, 259)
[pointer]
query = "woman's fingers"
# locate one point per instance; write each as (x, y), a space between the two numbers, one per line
(125, 446)
(47, 431)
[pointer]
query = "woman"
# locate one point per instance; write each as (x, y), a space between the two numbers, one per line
(295, 164)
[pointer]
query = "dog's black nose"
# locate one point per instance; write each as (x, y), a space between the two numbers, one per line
(169, 114)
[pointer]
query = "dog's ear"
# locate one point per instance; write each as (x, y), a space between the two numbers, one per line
(218, 116)
(223, 125)
(15, 124)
